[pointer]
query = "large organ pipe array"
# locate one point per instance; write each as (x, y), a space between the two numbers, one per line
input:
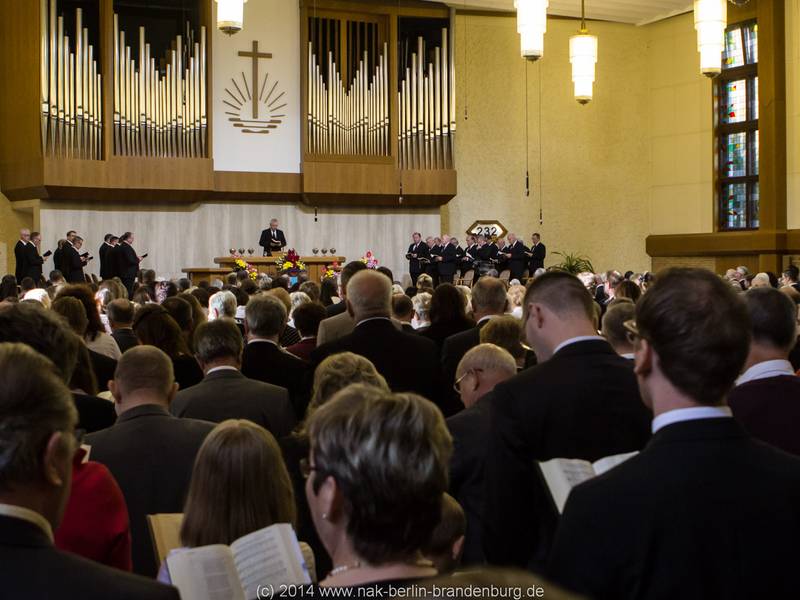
(71, 89)
(160, 113)
(427, 107)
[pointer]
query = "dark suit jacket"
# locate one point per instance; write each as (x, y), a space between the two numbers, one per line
(449, 255)
(264, 361)
(441, 330)
(31, 567)
(230, 395)
(104, 368)
(704, 511)
(516, 264)
(422, 251)
(72, 265)
(107, 261)
(581, 403)
(432, 268)
(125, 338)
(335, 309)
(769, 409)
(94, 413)
(407, 361)
(539, 252)
(34, 262)
(151, 455)
(455, 347)
(470, 431)
(266, 239)
(21, 257)
(127, 261)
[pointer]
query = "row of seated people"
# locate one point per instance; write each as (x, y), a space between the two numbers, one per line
(536, 414)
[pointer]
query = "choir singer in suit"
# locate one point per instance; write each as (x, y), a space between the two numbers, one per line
(704, 510)
(34, 259)
(447, 264)
(127, 261)
(21, 253)
(515, 252)
(272, 239)
(537, 253)
(106, 254)
(416, 251)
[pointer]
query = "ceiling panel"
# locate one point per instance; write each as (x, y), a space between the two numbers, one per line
(639, 12)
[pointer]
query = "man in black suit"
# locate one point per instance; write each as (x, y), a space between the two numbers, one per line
(447, 260)
(481, 369)
(72, 262)
(516, 256)
(37, 426)
(766, 399)
(434, 251)
(272, 239)
(263, 358)
(44, 331)
(120, 317)
(416, 251)
(34, 259)
(489, 299)
(21, 254)
(127, 261)
(580, 401)
(538, 252)
(705, 510)
(407, 361)
(148, 451)
(106, 254)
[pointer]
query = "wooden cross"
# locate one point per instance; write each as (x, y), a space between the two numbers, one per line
(255, 55)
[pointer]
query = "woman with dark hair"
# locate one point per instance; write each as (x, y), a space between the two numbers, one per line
(8, 289)
(328, 292)
(154, 326)
(375, 478)
(448, 314)
(96, 337)
(239, 485)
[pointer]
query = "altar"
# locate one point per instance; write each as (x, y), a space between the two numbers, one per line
(315, 267)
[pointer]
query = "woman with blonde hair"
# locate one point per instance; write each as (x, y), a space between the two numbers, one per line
(239, 485)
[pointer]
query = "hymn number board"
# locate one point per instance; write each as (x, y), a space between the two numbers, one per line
(491, 229)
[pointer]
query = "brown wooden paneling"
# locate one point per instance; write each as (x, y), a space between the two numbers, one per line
(350, 178)
(240, 182)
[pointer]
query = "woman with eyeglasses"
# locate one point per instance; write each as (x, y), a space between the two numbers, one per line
(376, 474)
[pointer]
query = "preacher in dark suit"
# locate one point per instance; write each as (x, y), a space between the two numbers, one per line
(149, 452)
(407, 361)
(704, 511)
(416, 251)
(225, 393)
(580, 401)
(36, 475)
(766, 399)
(127, 261)
(272, 239)
(108, 265)
(538, 252)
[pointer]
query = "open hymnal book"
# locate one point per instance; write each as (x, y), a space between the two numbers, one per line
(563, 474)
(263, 560)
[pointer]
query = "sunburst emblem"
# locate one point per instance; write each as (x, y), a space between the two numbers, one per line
(258, 104)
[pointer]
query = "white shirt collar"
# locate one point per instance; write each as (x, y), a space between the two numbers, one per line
(486, 318)
(26, 514)
(763, 370)
(628, 355)
(373, 319)
(253, 341)
(308, 337)
(222, 368)
(575, 340)
(689, 414)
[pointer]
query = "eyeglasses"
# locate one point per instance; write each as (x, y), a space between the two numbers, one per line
(457, 384)
(306, 468)
(631, 331)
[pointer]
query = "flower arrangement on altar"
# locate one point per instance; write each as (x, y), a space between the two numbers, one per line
(240, 264)
(290, 261)
(331, 271)
(370, 260)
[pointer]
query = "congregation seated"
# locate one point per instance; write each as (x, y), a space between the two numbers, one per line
(422, 309)
(704, 510)
(225, 393)
(506, 332)
(446, 545)
(328, 292)
(481, 369)
(38, 295)
(120, 318)
(222, 305)
(149, 452)
(289, 335)
(339, 322)
(48, 334)
(765, 397)
(183, 314)
(38, 420)
(614, 328)
(332, 375)
(239, 485)
(153, 326)
(403, 311)
(581, 401)
(265, 360)
(96, 337)
(377, 338)
(307, 318)
(377, 472)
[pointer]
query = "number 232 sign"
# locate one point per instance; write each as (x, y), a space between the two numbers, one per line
(491, 229)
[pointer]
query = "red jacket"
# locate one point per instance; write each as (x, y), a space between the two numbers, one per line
(95, 523)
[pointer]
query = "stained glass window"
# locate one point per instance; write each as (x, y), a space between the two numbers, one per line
(737, 129)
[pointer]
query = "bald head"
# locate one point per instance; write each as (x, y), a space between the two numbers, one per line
(482, 368)
(369, 294)
(144, 375)
(489, 297)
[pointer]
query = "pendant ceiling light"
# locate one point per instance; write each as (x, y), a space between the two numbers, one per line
(710, 20)
(531, 26)
(583, 56)
(230, 15)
